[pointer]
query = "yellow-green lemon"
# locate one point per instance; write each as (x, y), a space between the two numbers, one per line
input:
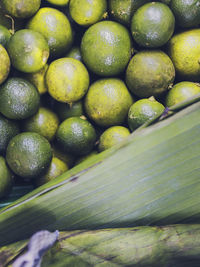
(4, 65)
(107, 102)
(67, 80)
(6, 178)
(181, 92)
(44, 122)
(28, 50)
(112, 136)
(55, 27)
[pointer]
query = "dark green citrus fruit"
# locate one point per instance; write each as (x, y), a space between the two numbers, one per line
(67, 80)
(55, 27)
(108, 101)
(152, 25)
(112, 136)
(184, 51)
(58, 2)
(28, 50)
(8, 129)
(76, 136)
(19, 99)
(4, 35)
(86, 13)
(122, 10)
(63, 156)
(142, 111)
(75, 52)
(66, 111)
(187, 13)
(21, 8)
(56, 168)
(5, 64)
(181, 92)
(45, 122)
(106, 48)
(150, 73)
(29, 154)
(38, 79)
(6, 178)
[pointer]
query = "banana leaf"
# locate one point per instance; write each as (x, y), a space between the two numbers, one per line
(175, 245)
(152, 178)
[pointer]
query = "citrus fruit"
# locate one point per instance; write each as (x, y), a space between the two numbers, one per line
(55, 27)
(74, 52)
(6, 178)
(8, 129)
(86, 13)
(63, 156)
(58, 2)
(142, 111)
(112, 136)
(66, 111)
(5, 64)
(45, 122)
(106, 48)
(181, 92)
(28, 50)
(184, 50)
(187, 13)
(20, 8)
(67, 80)
(149, 73)
(56, 168)
(76, 136)
(107, 102)
(4, 35)
(152, 25)
(19, 99)
(122, 10)
(28, 154)
(38, 79)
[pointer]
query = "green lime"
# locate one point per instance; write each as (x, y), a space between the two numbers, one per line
(66, 111)
(38, 79)
(106, 48)
(86, 13)
(55, 27)
(112, 136)
(76, 136)
(122, 10)
(150, 73)
(184, 50)
(29, 154)
(56, 168)
(181, 92)
(19, 99)
(67, 80)
(21, 8)
(58, 2)
(28, 51)
(142, 111)
(4, 35)
(6, 178)
(8, 129)
(152, 25)
(45, 122)
(5, 64)
(187, 13)
(75, 52)
(63, 156)
(108, 101)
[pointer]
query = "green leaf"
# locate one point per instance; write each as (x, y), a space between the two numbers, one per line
(152, 178)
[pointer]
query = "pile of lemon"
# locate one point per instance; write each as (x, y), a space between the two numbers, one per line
(78, 76)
